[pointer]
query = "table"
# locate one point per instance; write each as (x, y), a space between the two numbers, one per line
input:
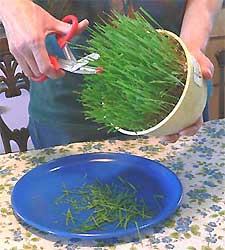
(199, 223)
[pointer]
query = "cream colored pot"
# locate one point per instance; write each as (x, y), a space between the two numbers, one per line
(190, 105)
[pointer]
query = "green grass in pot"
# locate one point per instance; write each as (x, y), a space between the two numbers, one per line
(144, 74)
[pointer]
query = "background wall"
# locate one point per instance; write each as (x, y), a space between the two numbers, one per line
(216, 44)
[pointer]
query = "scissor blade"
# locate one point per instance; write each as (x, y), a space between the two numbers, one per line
(68, 53)
(87, 70)
(90, 57)
(70, 65)
(73, 66)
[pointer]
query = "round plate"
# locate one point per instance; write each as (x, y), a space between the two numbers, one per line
(34, 195)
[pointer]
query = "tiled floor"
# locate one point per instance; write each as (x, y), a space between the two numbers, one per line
(16, 116)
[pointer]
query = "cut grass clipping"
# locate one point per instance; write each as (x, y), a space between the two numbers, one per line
(116, 203)
(144, 74)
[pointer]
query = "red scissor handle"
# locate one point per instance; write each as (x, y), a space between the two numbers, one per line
(43, 77)
(62, 41)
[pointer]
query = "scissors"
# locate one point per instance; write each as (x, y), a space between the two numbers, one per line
(71, 64)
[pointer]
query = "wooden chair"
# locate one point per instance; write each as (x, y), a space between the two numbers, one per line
(11, 83)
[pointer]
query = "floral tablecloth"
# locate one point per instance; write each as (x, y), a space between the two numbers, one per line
(199, 223)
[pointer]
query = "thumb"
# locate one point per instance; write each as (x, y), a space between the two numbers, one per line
(206, 66)
(64, 28)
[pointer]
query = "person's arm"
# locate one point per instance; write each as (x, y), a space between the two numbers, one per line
(27, 25)
(196, 27)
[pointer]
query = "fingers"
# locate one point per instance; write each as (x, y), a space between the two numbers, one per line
(23, 64)
(29, 61)
(35, 61)
(189, 131)
(82, 26)
(192, 129)
(207, 70)
(32, 64)
(26, 38)
(170, 138)
(43, 62)
(31, 53)
(64, 28)
(40, 53)
(206, 66)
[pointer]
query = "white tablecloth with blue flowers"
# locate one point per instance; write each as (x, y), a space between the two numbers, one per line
(199, 223)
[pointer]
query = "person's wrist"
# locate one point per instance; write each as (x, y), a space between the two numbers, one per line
(197, 45)
(194, 50)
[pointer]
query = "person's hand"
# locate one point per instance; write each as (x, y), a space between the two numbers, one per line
(207, 70)
(27, 25)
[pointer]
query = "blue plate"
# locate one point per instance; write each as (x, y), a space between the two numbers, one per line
(34, 195)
